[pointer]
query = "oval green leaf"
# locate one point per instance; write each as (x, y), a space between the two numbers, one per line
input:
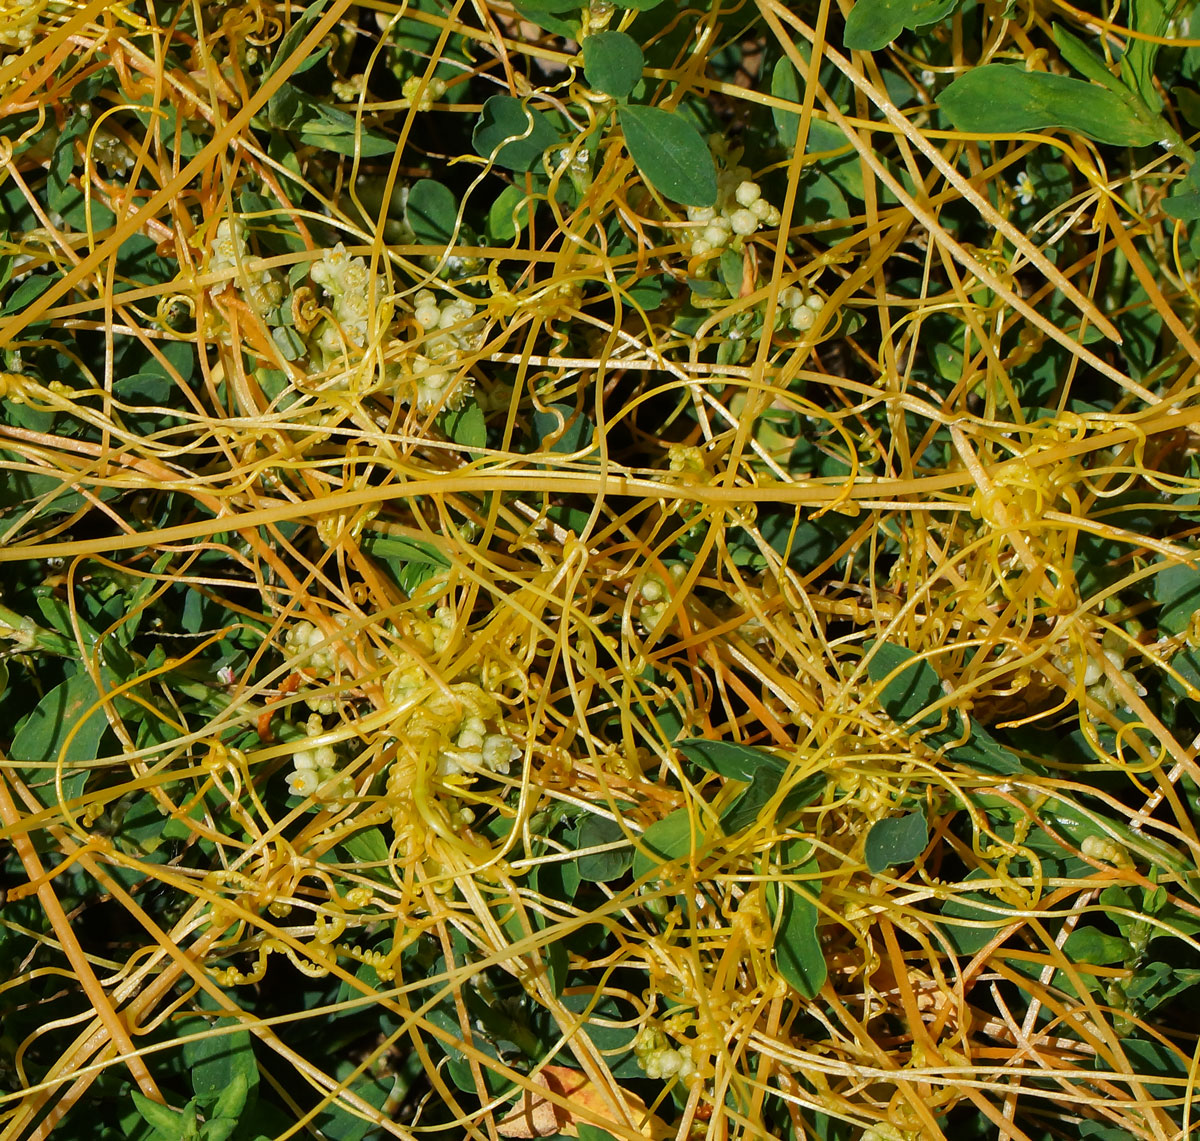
(674, 837)
(873, 24)
(997, 99)
(513, 135)
(431, 211)
(911, 685)
(601, 867)
(897, 840)
(671, 155)
(612, 62)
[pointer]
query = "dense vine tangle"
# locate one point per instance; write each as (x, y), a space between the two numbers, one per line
(386, 679)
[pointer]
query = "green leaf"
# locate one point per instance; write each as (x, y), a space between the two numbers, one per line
(999, 99)
(798, 953)
(220, 1064)
(873, 24)
(431, 212)
(545, 15)
(981, 751)
(411, 561)
(729, 759)
(1084, 60)
(586, 1132)
(567, 430)
(466, 425)
(974, 907)
(784, 85)
(601, 867)
(176, 1124)
(896, 840)
(1177, 592)
(337, 131)
(674, 837)
(747, 808)
(912, 684)
(1087, 945)
(1149, 17)
(42, 738)
(509, 214)
(367, 847)
(1187, 103)
(1184, 202)
(511, 134)
(228, 1110)
(301, 26)
(670, 154)
(612, 62)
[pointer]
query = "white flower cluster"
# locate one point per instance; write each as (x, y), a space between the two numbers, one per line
(1096, 682)
(18, 22)
(230, 255)
(348, 282)
(801, 307)
(303, 642)
(315, 769)
(739, 211)
(476, 749)
(660, 1059)
(655, 595)
(312, 768)
(451, 328)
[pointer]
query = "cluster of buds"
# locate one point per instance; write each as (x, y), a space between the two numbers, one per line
(348, 282)
(476, 750)
(423, 93)
(450, 329)
(1098, 682)
(310, 650)
(18, 22)
(655, 594)
(230, 256)
(315, 769)
(801, 308)
(740, 211)
(660, 1059)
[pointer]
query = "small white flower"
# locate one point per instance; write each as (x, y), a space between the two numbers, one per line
(303, 782)
(1026, 191)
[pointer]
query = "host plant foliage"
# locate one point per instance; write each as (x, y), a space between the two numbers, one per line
(611, 572)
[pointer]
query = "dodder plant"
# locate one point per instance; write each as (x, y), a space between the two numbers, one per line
(609, 572)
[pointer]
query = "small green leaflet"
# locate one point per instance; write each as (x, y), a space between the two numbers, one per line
(671, 154)
(466, 425)
(1177, 592)
(612, 63)
(601, 867)
(431, 211)
(896, 840)
(512, 134)
(301, 26)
